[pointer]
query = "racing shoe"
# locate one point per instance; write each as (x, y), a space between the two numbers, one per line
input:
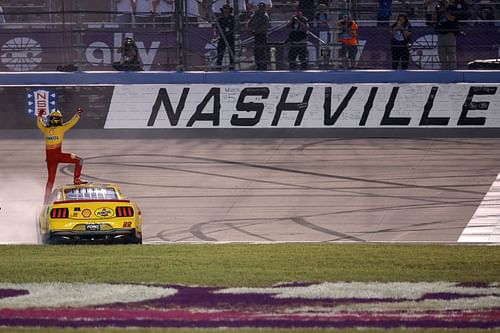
(78, 181)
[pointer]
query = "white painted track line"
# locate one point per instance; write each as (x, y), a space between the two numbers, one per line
(484, 226)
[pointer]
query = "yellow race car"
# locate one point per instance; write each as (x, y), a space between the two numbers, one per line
(89, 213)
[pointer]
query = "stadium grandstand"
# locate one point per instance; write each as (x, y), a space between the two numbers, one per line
(180, 35)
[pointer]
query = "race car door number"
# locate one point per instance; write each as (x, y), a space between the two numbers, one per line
(93, 227)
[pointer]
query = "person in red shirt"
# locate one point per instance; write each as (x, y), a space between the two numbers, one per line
(54, 131)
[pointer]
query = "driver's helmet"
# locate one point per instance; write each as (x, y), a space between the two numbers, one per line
(55, 118)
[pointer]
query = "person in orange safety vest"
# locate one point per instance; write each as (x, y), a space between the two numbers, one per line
(54, 131)
(348, 37)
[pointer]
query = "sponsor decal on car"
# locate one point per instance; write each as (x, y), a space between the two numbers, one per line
(86, 212)
(104, 212)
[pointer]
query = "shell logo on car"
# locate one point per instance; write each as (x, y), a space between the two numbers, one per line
(104, 212)
(86, 213)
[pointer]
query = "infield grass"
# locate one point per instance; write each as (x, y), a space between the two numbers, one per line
(248, 264)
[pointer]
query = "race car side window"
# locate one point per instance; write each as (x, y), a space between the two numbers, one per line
(56, 195)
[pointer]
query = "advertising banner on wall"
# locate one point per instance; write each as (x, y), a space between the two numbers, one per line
(305, 106)
(23, 50)
(19, 106)
(192, 106)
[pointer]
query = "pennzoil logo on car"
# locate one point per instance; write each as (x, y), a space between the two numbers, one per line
(104, 212)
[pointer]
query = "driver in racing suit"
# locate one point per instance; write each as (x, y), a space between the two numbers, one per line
(54, 134)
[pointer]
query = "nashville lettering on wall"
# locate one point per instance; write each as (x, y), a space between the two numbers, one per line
(304, 106)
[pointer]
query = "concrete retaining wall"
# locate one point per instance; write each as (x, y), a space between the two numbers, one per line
(378, 103)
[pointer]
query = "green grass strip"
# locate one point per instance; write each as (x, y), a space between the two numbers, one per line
(248, 264)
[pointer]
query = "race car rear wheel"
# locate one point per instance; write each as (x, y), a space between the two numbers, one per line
(136, 240)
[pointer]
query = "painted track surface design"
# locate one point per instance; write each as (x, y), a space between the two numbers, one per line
(202, 189)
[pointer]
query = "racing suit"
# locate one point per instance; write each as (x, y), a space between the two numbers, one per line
(54, 136)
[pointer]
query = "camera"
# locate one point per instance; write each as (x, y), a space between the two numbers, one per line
(129, 56)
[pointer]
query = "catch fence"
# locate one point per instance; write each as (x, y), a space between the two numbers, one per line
(183, 39)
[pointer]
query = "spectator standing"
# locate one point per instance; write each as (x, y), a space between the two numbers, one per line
(343, 8)
(322, 16)
(252, 5)
(258, 25)
(162, 10)
(384, 12)
(124, 10)
(224, 31)
(400, 42)
(144, 10)
(217, 6)
(2, 18)
(307, 8)
(430, 11)
(461, 9)
(348, 38)
(487, 12)
(298, 40)
(447, 30)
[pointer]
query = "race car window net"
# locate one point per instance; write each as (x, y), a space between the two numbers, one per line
(91, 193)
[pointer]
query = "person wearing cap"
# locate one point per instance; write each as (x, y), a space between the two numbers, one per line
(348, 37)
(258, 25)
(224, 32)
(53, 131)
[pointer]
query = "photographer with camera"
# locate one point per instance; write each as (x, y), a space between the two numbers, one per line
(129, 60)
(447, 30)
(348, 37)
(401, 42)
(298, 40)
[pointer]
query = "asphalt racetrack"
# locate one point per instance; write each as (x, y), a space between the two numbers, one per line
(251, 189)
